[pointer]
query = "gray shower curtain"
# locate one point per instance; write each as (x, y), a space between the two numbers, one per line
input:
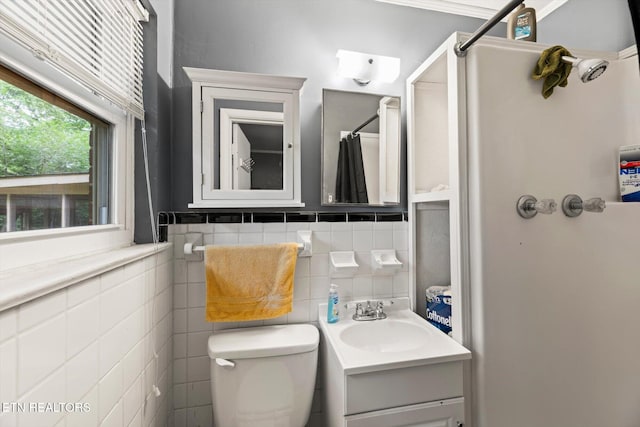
(350, 181)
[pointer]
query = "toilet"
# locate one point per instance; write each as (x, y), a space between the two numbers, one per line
(263, 376)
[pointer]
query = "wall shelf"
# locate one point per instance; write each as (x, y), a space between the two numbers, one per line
(433, 196)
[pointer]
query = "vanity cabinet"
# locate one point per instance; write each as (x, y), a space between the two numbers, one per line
(417, 382)
(424, 395)
(246, 139)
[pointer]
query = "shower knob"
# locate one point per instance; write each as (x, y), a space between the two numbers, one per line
(572, 205)
(528, 206)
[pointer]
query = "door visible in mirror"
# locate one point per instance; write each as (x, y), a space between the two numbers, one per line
(361, 136)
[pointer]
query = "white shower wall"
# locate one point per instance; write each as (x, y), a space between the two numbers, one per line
(92, 343)
(192, 397)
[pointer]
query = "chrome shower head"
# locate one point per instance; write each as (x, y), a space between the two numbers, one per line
(588, 69)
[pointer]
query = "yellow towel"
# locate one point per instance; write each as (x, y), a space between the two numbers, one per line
(249, 282)
(552, 69)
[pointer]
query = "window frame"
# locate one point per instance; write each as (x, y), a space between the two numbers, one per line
(25, 248)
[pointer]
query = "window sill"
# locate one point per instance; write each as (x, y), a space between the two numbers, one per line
(24, 284)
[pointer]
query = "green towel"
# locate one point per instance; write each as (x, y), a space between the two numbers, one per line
(552, 69)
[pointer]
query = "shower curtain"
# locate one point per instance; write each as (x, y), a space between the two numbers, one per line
(350, 183)
(634, 8)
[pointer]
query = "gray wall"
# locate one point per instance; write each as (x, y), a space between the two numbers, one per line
(589, 24)
(296, 38)
(301, 37)
(157, 99)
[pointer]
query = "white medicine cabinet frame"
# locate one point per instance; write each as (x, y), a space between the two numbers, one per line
(211, 188)
(437, 182)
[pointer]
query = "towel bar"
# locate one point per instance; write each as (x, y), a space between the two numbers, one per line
(189, 248)
(305, 246)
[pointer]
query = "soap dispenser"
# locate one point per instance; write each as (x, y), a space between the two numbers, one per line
(521, 24)
(333, 311)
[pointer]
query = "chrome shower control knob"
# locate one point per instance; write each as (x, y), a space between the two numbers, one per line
(594, 205)
(572, 205)
(546, 206)
(528, 206)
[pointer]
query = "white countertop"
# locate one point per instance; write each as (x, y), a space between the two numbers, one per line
(436, 348)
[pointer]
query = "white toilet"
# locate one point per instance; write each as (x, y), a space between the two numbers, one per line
(263, 376)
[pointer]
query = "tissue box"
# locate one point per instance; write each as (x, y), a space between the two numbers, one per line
(629, 173)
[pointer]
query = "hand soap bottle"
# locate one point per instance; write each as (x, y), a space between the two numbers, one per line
(333, 311)
(521, 24)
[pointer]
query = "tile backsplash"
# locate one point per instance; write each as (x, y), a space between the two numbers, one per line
(192, 399)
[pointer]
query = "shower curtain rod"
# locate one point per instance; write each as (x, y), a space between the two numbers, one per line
(461, 48)
(369, 120)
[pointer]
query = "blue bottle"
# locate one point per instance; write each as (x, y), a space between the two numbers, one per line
(333, 311)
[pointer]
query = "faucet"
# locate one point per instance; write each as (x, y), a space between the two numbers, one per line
(369, 313)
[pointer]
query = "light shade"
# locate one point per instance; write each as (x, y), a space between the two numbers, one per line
(365, 67)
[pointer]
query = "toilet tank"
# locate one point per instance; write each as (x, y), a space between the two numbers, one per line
(263, 376)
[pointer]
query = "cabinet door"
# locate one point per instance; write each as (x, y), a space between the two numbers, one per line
(447, 413)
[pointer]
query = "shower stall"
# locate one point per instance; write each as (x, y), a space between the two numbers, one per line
(549, 306)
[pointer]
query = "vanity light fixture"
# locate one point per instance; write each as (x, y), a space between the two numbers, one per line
(365, 67)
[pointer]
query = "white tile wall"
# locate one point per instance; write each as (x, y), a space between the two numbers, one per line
(191, 388)
(92, 343)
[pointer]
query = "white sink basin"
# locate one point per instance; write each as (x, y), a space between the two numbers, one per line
(385, 336)
(403, 339)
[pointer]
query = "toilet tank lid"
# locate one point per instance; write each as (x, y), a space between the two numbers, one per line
(263, 341)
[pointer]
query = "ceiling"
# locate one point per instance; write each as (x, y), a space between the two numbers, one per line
(478, 8)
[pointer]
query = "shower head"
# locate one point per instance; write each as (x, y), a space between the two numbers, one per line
(588, 69)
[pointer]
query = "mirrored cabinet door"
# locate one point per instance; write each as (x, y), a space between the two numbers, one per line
(246, 139)
(361, 139)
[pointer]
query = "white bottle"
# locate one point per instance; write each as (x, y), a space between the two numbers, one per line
(333, 310)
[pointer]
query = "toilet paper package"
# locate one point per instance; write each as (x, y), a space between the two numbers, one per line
(630, 173)
(438, 304)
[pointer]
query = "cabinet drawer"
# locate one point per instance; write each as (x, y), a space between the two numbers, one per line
(405, 386)
(449, 413)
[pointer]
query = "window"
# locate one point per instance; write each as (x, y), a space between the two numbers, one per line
(84, 58)
(54, 160)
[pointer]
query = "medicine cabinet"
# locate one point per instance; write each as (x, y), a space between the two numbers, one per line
(246, 139)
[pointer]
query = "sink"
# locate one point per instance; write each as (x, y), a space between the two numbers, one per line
(385, 336)
(401, 340)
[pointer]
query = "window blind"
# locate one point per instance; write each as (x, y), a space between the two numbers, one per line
(97, 42)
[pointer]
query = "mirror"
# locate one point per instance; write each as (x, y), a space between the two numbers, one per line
(246, 139)
(248, 150)
(361, 136)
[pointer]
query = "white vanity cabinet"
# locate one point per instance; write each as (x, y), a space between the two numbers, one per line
(246, 139)
(424, 395)
(417, 380)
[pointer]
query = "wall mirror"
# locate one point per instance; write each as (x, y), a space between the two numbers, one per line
(246, 139)
(361, 135)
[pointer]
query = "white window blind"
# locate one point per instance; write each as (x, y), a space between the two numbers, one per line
(97, 42)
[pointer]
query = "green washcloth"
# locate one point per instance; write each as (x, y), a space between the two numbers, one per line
(552, 69)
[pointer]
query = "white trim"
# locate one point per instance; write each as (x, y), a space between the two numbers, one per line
(22, 285)
(29, 181)
(628, 52)
(464, 9)
(242, 80)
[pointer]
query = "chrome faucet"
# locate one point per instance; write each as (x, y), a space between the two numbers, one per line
(369, 313)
